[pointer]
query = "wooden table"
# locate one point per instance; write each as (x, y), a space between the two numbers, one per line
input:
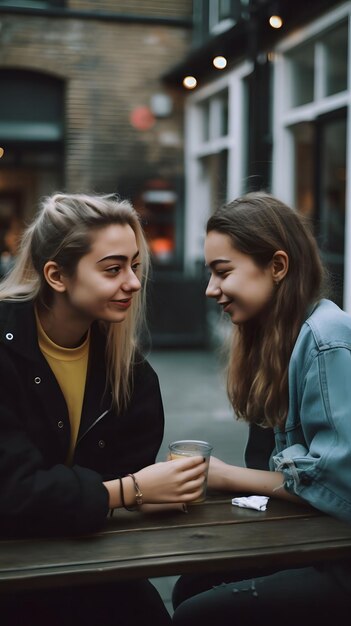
(212, 536)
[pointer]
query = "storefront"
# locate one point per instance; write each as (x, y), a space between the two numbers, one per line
(273, 116)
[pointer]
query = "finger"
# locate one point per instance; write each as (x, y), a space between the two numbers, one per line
(189, 461)
(194, 472)
(191, 487)
(195, 495)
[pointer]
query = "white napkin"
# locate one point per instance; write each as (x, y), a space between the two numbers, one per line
(252, 502)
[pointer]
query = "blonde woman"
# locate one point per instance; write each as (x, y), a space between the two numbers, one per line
(81, 417)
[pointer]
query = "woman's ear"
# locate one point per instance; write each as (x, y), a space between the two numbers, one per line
(53, 276)
(280, 266)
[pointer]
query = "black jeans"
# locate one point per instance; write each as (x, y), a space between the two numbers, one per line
(121, 604)
(291, 597)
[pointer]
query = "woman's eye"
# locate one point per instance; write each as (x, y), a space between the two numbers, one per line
(113, 270)
(135, 267)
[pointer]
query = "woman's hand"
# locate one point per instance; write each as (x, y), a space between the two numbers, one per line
(180, 480)
(225, 477)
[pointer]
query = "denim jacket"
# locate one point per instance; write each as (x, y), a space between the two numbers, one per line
(314, 449)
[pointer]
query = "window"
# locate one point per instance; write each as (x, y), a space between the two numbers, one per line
(31, 131)
(215, 133)
(335, 50)
(319, 68)
(212, 17)
(304, 138)
(302, 75)
(214, 116)
(310, 147)
(220, 15)
(31, 106)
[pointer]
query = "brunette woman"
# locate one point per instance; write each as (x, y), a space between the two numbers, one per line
(289, 377)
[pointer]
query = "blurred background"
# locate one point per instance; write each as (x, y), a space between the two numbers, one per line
(178, 106)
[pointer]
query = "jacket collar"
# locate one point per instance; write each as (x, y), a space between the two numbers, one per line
(18, 329)
(18, 332)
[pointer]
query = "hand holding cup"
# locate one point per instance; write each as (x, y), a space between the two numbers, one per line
(189, 448)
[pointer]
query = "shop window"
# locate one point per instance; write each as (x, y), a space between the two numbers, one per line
(31, 131)
(32, 106)
(311, 134)
(223, 113)
(302, 75)
(319, 68)
(335, 46)
(220, 15)
(214, 173)
(304, 166)
(205, 120)
(331, 190)
(320, 185)
(214, 116)
(157, 206)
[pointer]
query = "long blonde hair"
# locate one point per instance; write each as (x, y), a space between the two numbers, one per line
(257, 376)
(62, 232)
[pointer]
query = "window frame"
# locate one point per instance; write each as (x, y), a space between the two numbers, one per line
(286, 116)
(198, 205)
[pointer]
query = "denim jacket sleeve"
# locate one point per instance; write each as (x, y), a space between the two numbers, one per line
(316, 460)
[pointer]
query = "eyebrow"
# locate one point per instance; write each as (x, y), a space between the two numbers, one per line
(216, 262)
(118, 257)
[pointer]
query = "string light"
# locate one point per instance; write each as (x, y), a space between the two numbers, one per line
(276, 21)
(1, 152)
(220, 62)
(190, 82)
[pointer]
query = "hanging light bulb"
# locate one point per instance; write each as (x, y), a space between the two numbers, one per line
(189, 82)
(220, 62)
(276, 21)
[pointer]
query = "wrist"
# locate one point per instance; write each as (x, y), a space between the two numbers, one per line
(137, 491)
(121, 492)
(128, 493)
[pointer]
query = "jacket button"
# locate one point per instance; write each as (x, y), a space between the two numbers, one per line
(60, 424)
(102, 444)
(9, 336)
(37, 380)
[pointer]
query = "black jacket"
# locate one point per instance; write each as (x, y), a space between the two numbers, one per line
(38, 492)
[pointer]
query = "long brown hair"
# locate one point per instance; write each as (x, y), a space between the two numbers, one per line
(62, 231)
(257, 377)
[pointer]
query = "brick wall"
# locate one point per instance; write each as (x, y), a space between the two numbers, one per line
(177, 8)
(109, 69)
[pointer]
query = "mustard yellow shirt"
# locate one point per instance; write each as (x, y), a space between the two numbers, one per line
(69, 366)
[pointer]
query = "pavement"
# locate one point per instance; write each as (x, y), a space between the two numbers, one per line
(196, 407)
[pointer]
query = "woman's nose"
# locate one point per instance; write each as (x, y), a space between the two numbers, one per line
(213, 289)
(132, 283)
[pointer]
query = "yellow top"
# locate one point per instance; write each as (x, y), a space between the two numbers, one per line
(69, 366)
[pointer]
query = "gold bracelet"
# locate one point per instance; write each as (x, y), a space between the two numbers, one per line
(138, 493)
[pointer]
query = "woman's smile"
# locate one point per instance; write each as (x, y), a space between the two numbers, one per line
(122, 304)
